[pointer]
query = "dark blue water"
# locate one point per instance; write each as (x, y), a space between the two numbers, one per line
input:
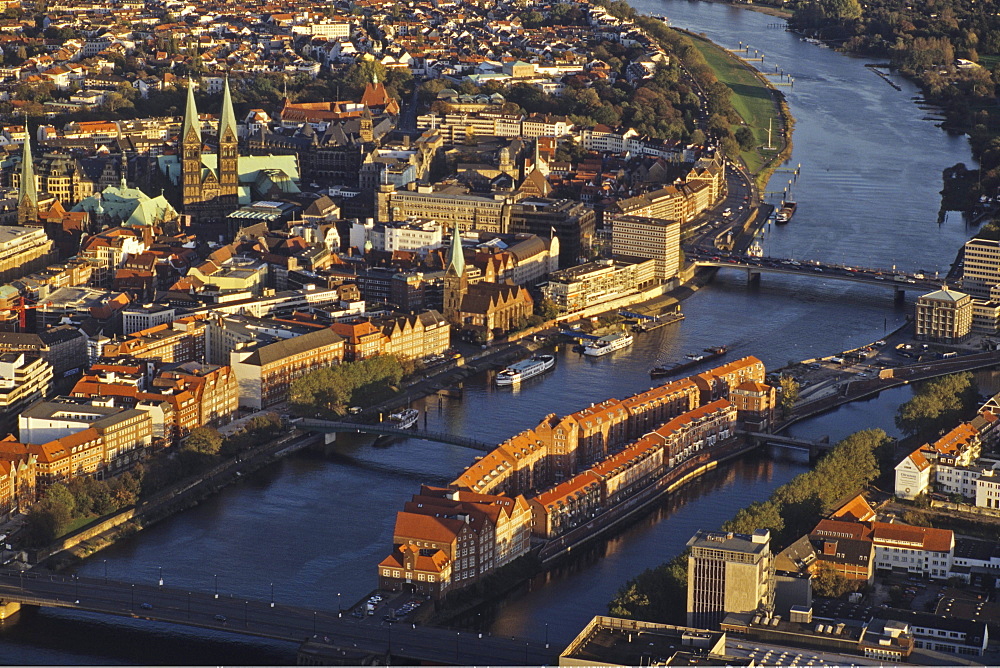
(315, 526)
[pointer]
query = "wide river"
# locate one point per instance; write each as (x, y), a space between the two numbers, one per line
(315, 526)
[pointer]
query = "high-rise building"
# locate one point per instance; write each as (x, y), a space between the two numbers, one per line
(648, 238)
(728, 572)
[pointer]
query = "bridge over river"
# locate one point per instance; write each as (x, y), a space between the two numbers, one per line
(897, 281)
(237, 614)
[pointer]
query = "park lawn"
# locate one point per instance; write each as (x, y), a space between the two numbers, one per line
(77, 523)
(752, 100)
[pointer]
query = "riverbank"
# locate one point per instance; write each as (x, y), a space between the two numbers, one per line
(758, 102)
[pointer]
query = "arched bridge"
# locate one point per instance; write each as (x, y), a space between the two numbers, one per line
(238, 614)
(383, 429)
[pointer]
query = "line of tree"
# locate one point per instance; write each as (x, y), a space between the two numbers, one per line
(330, 390)
(64, 505)
(659, 594)
(938, 405)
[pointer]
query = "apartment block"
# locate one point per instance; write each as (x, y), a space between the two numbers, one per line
(23, 250)
(597, 282)
(265, 372)
(24, 378)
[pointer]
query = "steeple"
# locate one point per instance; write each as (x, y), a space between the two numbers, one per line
(456, 258)
(27, 200)
(228, 119)
(191, 121)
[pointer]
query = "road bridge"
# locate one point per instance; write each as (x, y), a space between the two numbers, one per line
(237, 614)
(383, 429)
(899, 283)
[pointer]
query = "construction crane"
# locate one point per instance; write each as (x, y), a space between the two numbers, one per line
(22, 308)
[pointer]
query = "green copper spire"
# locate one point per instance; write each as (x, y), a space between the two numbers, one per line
(456, 259)
(228, 119)
(27, 201)
(191, 115)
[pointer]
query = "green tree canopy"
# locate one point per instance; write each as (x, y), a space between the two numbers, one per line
(203, 440)
(938, 404)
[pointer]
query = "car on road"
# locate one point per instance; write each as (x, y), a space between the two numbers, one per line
(220, 618)
(146, 606)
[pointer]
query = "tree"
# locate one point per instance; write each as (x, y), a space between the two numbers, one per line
(759, 515)
(203, 440)
(789, 392)
(938, 404)
(547, 308)
(745, 138)
(828, 582)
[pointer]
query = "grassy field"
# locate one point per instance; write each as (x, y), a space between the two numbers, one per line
(752, 99)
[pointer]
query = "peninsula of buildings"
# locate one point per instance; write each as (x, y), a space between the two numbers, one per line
(555, 486)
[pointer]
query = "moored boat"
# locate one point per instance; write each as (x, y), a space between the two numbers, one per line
(786, 212)
(608, 344)
(525, 369)
(405, 419)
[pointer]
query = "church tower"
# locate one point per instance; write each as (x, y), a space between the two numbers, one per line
(366, 132)
(456, 283)
(27, 196)
(228, 155)
(191, 154)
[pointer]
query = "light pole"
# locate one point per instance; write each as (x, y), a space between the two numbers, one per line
(105, 571)
(314, 622)
(133, 597)
(272, 594)
(340, 610)
(216, 586)
(246, 614)
(189, 605)
(161, 576)
(77, 578)
(546, 635)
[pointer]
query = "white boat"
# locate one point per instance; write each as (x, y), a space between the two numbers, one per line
(526, 369)
(405, 419)
(608, 344)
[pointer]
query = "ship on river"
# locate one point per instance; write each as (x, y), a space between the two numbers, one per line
(526, 369)
(786, 212)
(690, 360)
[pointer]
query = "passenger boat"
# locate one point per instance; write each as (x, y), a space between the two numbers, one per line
(405, 419)
(689, 361)
(608, 344)
(525, 369)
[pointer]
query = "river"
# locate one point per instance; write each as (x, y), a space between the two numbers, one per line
(315, 526)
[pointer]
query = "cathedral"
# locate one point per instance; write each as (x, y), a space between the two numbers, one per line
(207, 194)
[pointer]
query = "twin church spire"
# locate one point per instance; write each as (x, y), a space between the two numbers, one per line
(209, 194)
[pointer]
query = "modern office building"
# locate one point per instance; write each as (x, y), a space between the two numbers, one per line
(728, 572)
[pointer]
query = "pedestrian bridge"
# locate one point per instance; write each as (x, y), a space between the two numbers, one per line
(268, 619)
(383, 429)
(813, 446)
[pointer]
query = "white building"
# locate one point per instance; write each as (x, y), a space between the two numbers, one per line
(913, 476)
(913, 550)
(137, 318)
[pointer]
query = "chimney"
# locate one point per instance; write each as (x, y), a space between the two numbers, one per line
(830, 547)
